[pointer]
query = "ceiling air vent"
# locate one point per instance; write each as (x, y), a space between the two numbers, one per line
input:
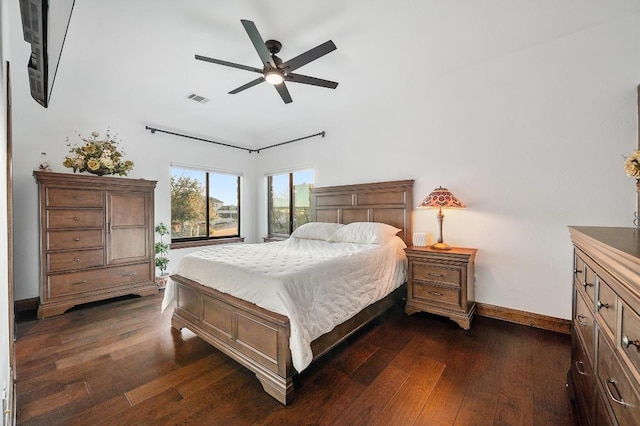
(198, 98)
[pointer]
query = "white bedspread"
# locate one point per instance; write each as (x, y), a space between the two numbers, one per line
(316, 284)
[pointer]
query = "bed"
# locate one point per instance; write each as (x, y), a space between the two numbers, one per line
(261, 337)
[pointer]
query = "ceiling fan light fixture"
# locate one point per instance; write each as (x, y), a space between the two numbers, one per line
(273, 77)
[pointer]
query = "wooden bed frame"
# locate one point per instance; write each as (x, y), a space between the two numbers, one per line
(259, 339)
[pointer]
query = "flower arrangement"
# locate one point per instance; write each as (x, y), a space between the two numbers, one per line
(97, 156)
(632, 165)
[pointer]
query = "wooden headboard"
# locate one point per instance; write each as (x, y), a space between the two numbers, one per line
(387, 202)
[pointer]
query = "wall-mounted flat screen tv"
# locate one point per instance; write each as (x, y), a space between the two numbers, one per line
(44, 25)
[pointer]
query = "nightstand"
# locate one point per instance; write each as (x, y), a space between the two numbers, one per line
(441, 282)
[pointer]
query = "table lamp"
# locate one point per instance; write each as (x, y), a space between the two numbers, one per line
(441, 198)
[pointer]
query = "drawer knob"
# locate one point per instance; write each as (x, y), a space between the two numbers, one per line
(80, 282)
(76, 197)
(76, 218)
(619, 400)
(602, 305)
(626, 342)
(76, 239)
(77, 259)
(435, 293)
(577, 271)
(586, 284)
(431, 274)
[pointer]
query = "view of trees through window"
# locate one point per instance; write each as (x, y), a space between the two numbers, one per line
(289, 201)
(204, 204)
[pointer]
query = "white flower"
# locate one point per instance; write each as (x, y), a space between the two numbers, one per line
(95, 134)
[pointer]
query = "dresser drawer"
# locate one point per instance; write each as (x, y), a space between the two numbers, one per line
(75, 219)
(432, 293)
(585, 277)
(607, 306)
(61, 197)
(618, 388)
(76, 239)
(437, 274)
(630, 337)
(582, 372)
(77, 259)
(88, 281)
(583, 322)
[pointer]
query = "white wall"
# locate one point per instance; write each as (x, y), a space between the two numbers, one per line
(532, 141)
(526, 123)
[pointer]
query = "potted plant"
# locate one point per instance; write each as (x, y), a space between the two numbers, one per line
(162, 248)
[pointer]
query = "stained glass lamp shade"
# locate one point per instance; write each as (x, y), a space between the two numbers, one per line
(441, 198)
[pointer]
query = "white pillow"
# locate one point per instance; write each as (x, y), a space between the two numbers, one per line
(364, 233)
(316, 230)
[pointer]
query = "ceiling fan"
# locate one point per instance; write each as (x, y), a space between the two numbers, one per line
(274, 71)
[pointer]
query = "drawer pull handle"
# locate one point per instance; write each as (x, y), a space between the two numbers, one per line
(76, 239)
(80, 282)
(77, 259)
(626, 342)
(435, 293)
(619, 400)
(76, 218)
(602, 305)
(431, 274)
(586, 284)
(130, 274)
(582, 319)
(580, 368)
(577, 271)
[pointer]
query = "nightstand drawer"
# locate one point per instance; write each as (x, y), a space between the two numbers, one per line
(432, 293)
(437, 274)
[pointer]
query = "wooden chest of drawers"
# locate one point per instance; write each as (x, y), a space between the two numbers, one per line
(604, 376)
(96, 239)
(441, 282)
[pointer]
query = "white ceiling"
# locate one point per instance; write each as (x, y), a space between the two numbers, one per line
(138, 55)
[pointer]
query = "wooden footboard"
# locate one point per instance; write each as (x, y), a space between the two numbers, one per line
(255, 337)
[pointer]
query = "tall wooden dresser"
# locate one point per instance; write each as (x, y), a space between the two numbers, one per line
(604, 376)
(96, 236)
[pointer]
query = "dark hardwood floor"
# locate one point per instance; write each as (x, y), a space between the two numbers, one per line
(121, 363)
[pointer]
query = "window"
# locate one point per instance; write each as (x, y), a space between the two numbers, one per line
(289, 201)
(205, 205)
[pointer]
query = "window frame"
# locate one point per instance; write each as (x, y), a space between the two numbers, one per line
(210, 240)
(292, 196)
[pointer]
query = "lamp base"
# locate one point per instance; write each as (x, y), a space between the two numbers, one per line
(440, 246)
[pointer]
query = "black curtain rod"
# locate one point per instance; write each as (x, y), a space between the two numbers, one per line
(153, 130)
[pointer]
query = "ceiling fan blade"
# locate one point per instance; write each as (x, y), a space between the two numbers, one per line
(248, 85)
(228, 64)
(284, 92)
(305, 79)
(258, 43)
(308, 56)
